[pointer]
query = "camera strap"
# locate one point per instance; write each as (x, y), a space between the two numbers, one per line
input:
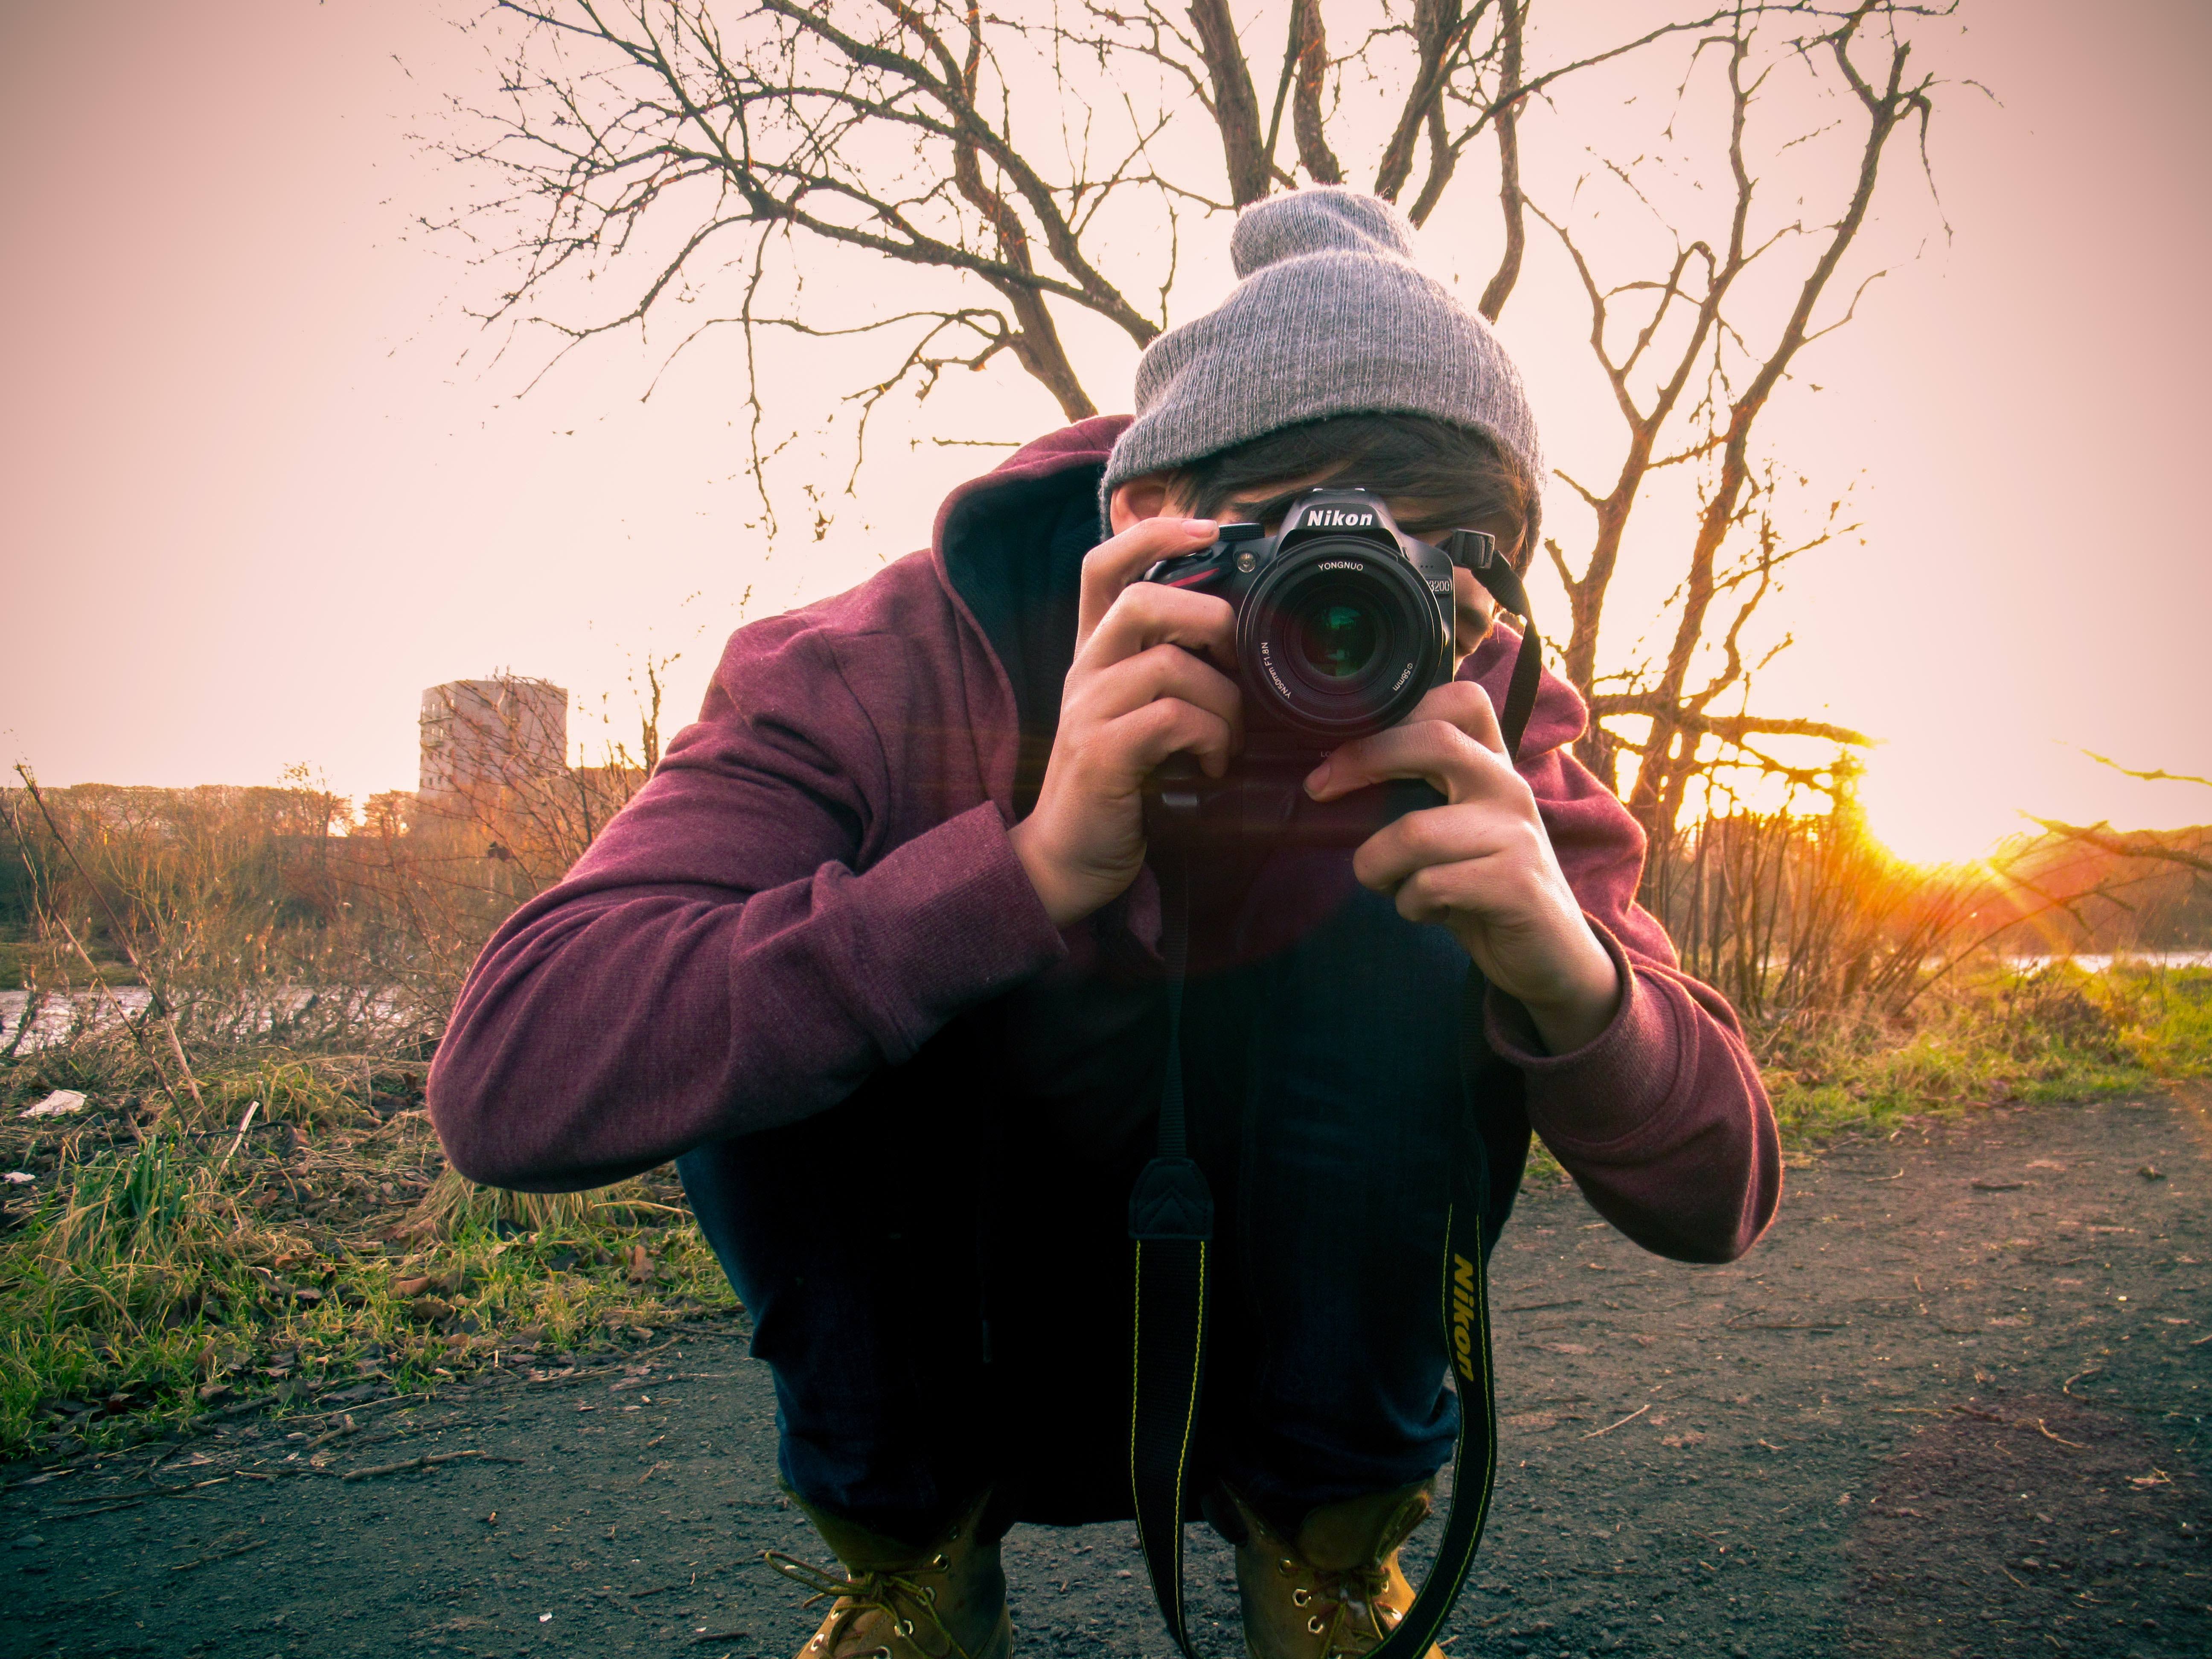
(1171, 1224)
(1477, 554)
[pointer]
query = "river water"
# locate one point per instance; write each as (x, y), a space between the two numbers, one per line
(58, 1012)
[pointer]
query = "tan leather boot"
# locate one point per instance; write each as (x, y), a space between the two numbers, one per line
(945, 1602)
(1336, 1588)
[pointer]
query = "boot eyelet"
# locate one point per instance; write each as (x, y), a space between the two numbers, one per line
(1285, 1567)
(938, 1562)
(904, 1627)
(929, 1594)
(881, 1653)
(1314, 1625)
(1301, 1595)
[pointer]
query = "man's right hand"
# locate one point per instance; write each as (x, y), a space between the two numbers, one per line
(1141, 688)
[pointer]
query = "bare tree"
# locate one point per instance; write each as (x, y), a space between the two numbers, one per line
(678, 147)
(1684, 365)
(1023, 169)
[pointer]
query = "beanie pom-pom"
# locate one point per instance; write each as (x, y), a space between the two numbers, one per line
(1325, 218)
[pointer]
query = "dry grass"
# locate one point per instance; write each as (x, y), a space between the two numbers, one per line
(257, 1215)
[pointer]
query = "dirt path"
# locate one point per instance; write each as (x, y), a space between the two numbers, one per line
(1953, 1405)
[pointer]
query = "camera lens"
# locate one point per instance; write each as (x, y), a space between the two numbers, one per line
(1338, 637)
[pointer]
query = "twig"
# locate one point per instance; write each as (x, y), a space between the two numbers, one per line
(347, 1427)
(2047, 1435)
(60, 1513)
(1610, 1427)
(221, 1555)
(428, 1460)
(136, 1029)
(244, 1124)
(155, 1000)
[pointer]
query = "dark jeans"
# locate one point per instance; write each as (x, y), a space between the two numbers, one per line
(942, 1289)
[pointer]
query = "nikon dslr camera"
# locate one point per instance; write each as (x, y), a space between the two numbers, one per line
(1343, 625)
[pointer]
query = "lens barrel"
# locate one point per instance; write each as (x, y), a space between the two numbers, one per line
(1339, 638)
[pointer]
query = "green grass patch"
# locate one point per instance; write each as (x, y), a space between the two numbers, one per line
(1995, 1038)
(152, 1276)
(2056, 1034)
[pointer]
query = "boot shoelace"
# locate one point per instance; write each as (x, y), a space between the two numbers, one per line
(896, 1595)
(1344, 1606)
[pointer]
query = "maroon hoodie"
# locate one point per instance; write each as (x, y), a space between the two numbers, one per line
(817, 881)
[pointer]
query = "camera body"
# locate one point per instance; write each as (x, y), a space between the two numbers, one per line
(1343, 625)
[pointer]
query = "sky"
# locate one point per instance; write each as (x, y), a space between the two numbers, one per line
(263, 480)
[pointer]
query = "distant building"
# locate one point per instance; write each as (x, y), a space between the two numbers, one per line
(480, 736)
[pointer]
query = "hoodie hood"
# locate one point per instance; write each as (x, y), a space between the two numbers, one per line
(1009, 549)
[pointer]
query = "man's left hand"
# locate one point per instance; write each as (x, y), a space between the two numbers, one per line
(1482, 864)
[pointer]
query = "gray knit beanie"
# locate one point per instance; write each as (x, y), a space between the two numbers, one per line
(1331, 317)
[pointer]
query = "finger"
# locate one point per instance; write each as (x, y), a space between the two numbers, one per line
(1139, 740)
(1456, 763)
(1113, 565)
(1148, 614)
(1473, 836)
(1441, 892)
(1466, 705)
(1164, 671)
(1486, 892)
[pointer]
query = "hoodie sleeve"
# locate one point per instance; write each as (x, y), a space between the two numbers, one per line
(1661, 1119)
(733, 952)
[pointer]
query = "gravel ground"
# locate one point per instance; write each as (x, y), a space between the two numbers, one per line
(1953, 1405)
